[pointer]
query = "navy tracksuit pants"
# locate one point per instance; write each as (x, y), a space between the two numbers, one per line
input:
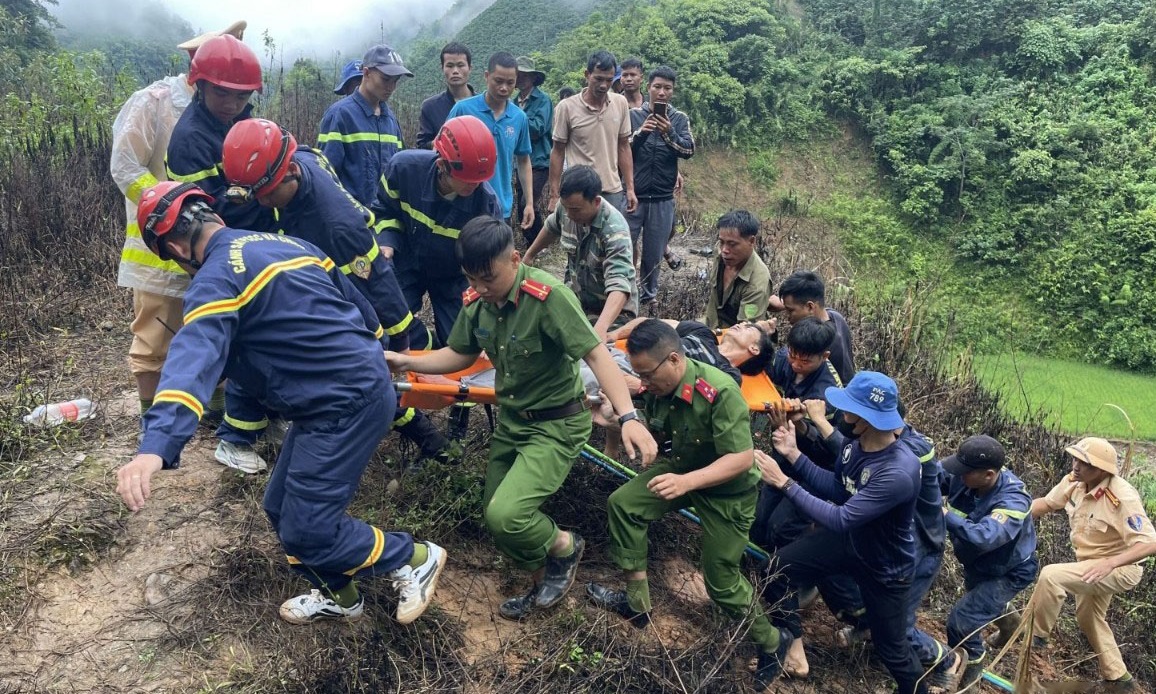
(823, 553)
(315, 478)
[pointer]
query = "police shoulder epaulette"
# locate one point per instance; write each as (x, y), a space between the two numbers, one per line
(469, 296)
(1115, 500)
(687, 393)
(536, 289)
(705, 389)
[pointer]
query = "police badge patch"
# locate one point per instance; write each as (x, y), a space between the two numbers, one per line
(1136, 522)
(361, 267)
(864, 476)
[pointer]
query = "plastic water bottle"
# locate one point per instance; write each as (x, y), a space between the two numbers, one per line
(60, 412)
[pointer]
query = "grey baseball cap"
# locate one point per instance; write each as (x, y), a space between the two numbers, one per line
(386, 60)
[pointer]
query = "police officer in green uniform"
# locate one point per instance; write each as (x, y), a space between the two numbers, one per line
(700, 410)
(534, 331)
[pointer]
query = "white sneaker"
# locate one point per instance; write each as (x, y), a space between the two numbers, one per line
(305, 609)
(416, 586)
(240, 457)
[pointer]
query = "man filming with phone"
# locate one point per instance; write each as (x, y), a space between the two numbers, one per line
(660, 136)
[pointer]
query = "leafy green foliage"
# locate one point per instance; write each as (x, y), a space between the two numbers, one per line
(1022, 136)
(740, 64)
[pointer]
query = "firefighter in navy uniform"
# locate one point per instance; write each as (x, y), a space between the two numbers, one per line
(262, 161)
(225, 73)
(423, 201)
(259, 309)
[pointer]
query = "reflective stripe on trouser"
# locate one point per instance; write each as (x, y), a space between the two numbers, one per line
(652, 220)
(309, 491)
(245, 417)
(1092, 600)
(726, 523)
(822, 553)
(528, 462)
(445, 296)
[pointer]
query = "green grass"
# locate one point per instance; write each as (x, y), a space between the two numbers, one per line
(1072, 394)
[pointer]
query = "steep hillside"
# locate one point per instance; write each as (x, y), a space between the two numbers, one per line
(518, 26)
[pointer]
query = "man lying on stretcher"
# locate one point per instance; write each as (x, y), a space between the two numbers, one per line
(744, 349)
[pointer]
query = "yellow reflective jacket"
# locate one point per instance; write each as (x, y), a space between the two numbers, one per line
(140, 138)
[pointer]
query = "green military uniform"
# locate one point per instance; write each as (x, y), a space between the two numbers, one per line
(745, 299)
(599, 259)
(704, 418)
(534, 341)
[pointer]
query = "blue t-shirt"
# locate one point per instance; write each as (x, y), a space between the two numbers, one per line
(511, 135)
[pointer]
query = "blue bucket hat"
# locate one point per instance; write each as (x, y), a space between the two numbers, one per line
(872, 396)
(351, 70)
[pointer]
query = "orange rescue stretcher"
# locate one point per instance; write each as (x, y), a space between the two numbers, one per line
(760, 394)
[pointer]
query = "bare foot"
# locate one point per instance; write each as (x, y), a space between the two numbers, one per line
(796, 666)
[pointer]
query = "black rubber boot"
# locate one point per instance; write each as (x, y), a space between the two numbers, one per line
(519, 607)
(429, 440)
(560, 574)
(770, 667)
(615, 601)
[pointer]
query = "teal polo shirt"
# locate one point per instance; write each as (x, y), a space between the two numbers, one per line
(511, 135)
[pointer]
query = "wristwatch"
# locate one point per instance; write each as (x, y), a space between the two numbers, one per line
(633, 414)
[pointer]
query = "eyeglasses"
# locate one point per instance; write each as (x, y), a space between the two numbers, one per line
(649, 374)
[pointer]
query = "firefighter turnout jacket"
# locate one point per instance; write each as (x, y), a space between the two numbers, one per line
(326, 215)
(250, 311)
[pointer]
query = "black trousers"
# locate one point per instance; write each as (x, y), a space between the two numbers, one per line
(540, 178)
(822, 553)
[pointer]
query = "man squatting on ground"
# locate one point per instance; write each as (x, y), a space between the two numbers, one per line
(259, 308)
(263, 161)
(863, 510)
(534, 332)
(701, 413)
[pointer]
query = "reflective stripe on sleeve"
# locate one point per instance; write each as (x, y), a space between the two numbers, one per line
(147, 180)
(182, 398)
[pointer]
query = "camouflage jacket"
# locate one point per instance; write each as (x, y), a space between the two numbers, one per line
(599, 258)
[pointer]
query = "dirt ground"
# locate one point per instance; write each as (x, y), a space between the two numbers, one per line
(182, 596)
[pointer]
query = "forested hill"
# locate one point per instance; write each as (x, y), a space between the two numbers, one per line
(1018, 138)
(518, 26)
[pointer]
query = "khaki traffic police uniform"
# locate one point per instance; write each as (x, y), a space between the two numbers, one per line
(1105, 521)
(704, 418)
(535, 341)
(746, 298)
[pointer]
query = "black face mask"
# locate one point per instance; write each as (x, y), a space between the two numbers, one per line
(846, 428)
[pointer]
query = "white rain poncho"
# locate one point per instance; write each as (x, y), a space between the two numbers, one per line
(140, 138)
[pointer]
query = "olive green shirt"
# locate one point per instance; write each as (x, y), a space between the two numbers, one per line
(745, 299)
(704, 418)
(599, 257)
(534, 340)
